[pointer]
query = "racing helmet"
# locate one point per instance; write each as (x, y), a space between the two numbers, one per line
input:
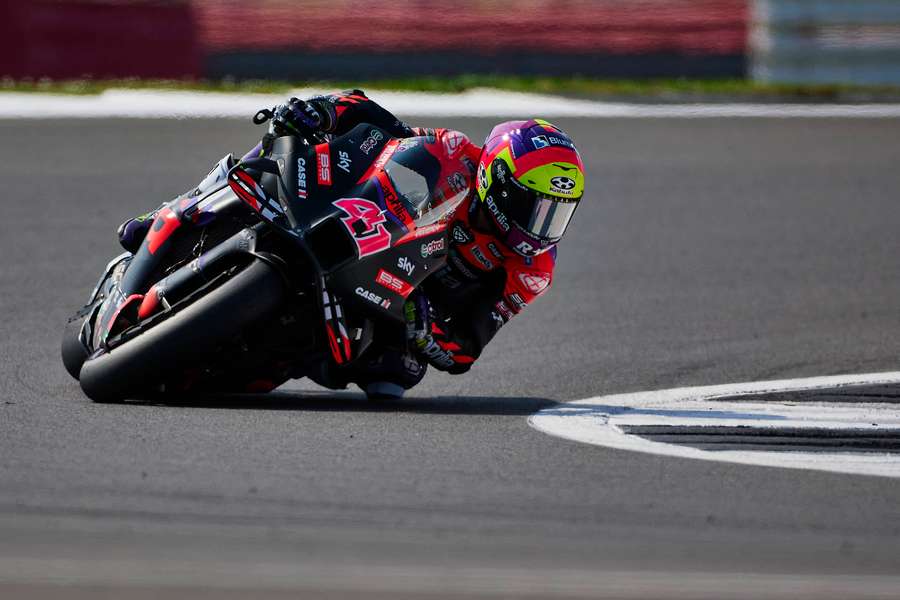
(530, 178)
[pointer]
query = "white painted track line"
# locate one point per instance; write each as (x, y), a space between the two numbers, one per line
(206, 576)
(599, 421)
(472, 103)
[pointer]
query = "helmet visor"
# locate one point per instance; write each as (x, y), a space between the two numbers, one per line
(549, 217)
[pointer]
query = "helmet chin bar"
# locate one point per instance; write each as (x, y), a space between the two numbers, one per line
(513, 237)
(527, 245)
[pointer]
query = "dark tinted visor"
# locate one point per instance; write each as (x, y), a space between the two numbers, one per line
(540, 215)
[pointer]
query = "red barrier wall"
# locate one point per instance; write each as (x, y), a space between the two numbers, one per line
(300, 38)
(44, 38)
(553, 26)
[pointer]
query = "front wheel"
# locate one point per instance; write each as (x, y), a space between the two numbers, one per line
(176, 343)
(73, 351)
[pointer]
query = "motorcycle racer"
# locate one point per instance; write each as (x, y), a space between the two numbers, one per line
(502, 239)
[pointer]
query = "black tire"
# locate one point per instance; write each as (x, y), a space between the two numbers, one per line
(73, 351)
(221, 314)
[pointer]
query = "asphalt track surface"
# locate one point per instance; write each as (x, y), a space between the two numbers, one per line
(711, 251)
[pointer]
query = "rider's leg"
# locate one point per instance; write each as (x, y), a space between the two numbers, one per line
(133, 231)
(382, 375)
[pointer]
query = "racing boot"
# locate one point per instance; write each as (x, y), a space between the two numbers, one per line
(133, 231)
(388, 375)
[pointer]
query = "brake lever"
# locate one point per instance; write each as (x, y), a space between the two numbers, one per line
(262, 116)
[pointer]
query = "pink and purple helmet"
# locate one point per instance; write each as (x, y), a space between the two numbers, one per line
(531, 179)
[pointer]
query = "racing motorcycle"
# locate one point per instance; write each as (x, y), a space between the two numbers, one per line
(295, 262)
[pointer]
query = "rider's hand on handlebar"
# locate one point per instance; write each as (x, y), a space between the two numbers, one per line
(296, 117)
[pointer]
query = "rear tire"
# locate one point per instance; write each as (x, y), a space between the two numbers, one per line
(143, 362)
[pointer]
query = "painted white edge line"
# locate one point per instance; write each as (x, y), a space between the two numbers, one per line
(415, 579)
(596, 421)
(472, 103)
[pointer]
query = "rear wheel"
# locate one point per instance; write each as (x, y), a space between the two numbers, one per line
(178, 341)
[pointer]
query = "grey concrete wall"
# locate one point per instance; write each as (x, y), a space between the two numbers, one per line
(826, 41)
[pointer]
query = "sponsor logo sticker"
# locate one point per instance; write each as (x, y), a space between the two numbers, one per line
(517, 301)
(482, 177)
(373, 297)
(504, 310)
(525, 248)
(370, 142)
(453, 141)
(540, 141)
(438, 355)
(535, 282)
(344, 161)
(460, 235)
(301, 178)
(499, 216)
(406, 265)
(393, 283)
(392, 201)
(406, 144)
(562, 183)
(432, 247)
(383, 158)
(457, 183)
(501, 172)
(558, 141)
(323, 167)
(481, 258)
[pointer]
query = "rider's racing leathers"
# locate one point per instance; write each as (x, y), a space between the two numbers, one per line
(484, 283)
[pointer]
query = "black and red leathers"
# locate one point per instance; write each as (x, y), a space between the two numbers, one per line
(484, 283)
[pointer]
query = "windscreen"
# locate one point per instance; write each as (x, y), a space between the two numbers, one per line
(430, 189)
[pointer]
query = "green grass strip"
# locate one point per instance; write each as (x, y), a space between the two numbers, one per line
(651, 89)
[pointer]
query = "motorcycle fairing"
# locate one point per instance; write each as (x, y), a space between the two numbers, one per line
(247, 189)
(400, 191)
(365, 204)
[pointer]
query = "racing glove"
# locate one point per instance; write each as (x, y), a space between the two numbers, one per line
(296, 117)
(429, 338)
(341, 112)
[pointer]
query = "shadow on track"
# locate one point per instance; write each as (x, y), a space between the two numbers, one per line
(326, 401)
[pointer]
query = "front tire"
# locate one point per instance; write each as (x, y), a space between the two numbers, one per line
(143, 362)
(74, 353)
